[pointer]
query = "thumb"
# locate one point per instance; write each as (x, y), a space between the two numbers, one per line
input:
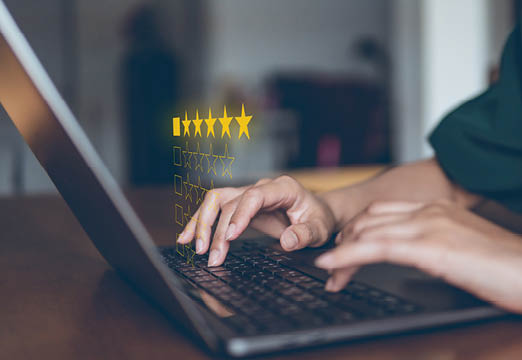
(298, 236)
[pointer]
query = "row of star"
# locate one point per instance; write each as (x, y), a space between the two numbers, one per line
(190, 187)
(226, 159)
(225, 121)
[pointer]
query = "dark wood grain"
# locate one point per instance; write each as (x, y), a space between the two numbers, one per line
(60, 300)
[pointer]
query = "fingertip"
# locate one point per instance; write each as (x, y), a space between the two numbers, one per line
(289, 240)
(231, 232)
(214, 258)
(183, 238)
(200, 246)
(330, 285)
(325, 261)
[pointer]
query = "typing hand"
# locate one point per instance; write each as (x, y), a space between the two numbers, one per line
(440, 238)
(279, 207)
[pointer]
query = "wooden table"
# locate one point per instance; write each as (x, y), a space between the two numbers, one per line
(60, 300)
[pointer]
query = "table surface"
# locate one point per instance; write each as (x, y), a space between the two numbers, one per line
(60, 300)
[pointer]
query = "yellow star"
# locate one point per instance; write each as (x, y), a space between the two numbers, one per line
(186, 125)
(200, 191)
(187, 154)
(228, 168)
(225, 123)
(197, 124)
(243, 123)
(199, 163)
(188, 189)
(211, 165)
(210, 123)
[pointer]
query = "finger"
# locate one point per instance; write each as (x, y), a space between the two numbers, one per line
(187, 234)
(273, 224)
(209, 212)
(370, 221)
(340, 278)
(385, 246)
(220, 243)
(387, 207)
(277, 194)
(206, 216)
(302, 235)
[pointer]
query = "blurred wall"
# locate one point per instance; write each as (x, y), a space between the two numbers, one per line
(443, 52)
(290, 34)
(432, 43)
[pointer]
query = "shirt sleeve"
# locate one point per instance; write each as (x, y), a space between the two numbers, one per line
(479, 144)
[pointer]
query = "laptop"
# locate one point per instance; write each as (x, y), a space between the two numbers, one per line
(261, 299)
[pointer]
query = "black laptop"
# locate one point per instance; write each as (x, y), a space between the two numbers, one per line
(261, 299)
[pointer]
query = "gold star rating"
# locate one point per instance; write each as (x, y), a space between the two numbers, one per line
(187, 155)
(225, 123)
(225, 158)
(186, 125)
(197, 125)
(200, 191)
(243, 123)
(199, 161)
(188, 189)
(210, 123)
(211, 160)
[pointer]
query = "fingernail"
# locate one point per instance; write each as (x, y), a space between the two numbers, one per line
(290, 240)
(180, 237)
(324, 261)
(330, 285)
(199, 245)
(230, 231)
(213, 257)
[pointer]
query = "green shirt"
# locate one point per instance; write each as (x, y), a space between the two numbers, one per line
(479, 144)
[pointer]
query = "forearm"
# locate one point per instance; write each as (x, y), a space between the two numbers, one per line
(421, 181)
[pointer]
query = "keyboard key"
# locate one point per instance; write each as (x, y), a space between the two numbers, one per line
(270, 296)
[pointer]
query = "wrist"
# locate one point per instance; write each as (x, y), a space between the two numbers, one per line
(346, 203)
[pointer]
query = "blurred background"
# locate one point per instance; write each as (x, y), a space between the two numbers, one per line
(330, 83)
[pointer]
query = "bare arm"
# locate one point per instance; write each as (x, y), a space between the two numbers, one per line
(422, 181)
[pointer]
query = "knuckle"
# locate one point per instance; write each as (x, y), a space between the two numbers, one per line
(253, 194)
(211, 195)
(228, 207)
(307, 232)
(263, 181)
(287, 179)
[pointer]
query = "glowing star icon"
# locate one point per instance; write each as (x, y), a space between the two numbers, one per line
(229, 160)
(243, 123)
(199, 162)
(200, 191)
(188, 188)
(186, 125)
(210, 123)
(225, 123)
(187, 155)
(211, 160)
(197, 124)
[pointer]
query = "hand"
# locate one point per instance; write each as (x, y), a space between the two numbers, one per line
(440, 238)
(281, 208)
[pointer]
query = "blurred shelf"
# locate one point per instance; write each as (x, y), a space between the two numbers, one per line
(331, 178)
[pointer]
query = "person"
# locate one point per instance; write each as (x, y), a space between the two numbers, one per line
(418, 214)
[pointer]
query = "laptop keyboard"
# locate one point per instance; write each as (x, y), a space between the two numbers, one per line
(267, 295)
